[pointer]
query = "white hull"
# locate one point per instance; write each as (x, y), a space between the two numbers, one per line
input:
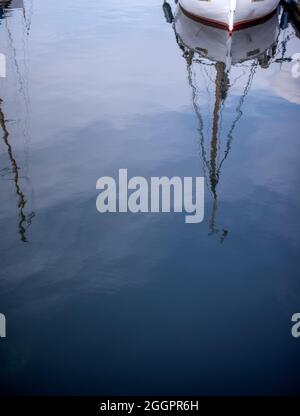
(216, 45)
(230, 14)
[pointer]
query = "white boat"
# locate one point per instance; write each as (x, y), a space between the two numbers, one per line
(216, 45)
(229, 14)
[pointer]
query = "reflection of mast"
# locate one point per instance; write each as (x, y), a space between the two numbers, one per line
(191, 40)
(23, 219)
(210, 166)
(220, 95)
(15, 170)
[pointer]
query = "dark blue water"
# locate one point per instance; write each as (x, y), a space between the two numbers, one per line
(144, 303)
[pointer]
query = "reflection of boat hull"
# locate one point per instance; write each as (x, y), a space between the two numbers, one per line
(229, 14)
(12, 4)
(9, 4)
(213, 43)
(293, 10)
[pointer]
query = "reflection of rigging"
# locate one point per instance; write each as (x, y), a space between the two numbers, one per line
(16, 179)
(24, 219)
(211, 169)
(214, 48)
(239, 113)
(210, 164)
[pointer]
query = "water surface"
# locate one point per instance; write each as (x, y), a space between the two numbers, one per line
(146, 304)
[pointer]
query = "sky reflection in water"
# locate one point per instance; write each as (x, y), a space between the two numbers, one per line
(128, 303)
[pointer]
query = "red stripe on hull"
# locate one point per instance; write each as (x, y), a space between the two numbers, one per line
(240, 25)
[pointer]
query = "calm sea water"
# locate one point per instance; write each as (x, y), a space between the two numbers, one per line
(144, 303)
